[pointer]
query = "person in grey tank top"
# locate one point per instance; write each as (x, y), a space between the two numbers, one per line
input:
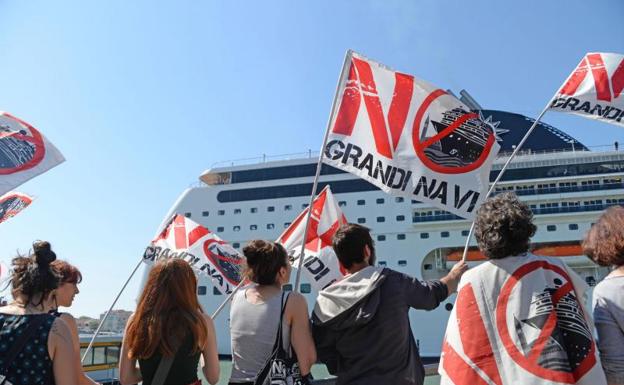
(604, 244)
(255, 314)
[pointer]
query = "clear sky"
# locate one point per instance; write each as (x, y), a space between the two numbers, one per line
(142, 96)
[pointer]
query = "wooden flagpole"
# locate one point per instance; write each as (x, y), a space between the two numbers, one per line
(502, 171)
(341, 79)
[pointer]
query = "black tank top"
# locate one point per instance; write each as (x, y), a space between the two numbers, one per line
(183, 370)
(33, 365)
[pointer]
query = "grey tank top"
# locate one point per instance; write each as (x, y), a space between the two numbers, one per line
(253, 328)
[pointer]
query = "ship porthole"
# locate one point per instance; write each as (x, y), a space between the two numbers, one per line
(448, 306)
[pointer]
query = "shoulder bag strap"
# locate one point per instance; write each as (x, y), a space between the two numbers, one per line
(18, 345)
(279, 343)
(164, 366)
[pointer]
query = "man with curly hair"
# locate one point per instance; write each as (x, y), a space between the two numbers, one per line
(519, 318)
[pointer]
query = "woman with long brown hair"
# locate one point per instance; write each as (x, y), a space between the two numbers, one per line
(169, 325)
(27, 326)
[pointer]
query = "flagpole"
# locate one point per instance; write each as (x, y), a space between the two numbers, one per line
(228, 299)
(318, 168)
(502, 171)
(97, 331)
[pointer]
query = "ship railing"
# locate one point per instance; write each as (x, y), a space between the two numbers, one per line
(536, 211)
(430, 370)
(310, 154)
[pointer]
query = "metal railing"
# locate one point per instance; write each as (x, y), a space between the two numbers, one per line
(536, 211)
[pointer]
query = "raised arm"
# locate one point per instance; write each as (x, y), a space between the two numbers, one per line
(210, 355)
(300, 334)
(427, 295)
(83, 379)
(62, 353)
(129, 373)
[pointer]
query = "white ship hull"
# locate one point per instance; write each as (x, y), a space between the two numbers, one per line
(241, 203)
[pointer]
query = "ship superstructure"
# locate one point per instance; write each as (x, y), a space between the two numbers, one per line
(566, 185)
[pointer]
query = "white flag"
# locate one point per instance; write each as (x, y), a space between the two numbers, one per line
(410, 138)
(13, 203)
(320, 261)
(24, 152)
(522, 321)
(594, 89)
(205, 251)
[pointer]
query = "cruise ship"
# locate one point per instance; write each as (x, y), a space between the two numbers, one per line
(566, 184)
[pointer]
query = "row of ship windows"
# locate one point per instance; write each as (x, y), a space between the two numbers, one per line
(444, 234)
(548, 205)
(379, 201)
(270, 209)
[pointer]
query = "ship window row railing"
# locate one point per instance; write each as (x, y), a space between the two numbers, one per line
(417, 218)
(523, 191)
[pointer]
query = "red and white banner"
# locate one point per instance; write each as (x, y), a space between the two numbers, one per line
(520, 320)
(410, 138)
(594, 89)
(204, 251)
(24, 152)
(320, 261)
(13, 203)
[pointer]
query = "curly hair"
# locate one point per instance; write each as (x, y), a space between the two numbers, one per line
(604, 242)
(504, 226)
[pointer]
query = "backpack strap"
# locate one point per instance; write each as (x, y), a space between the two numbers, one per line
(164, 366)
(21, 340)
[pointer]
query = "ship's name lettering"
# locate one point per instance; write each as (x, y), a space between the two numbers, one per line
(574, 104)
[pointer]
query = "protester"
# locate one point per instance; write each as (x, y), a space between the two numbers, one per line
(255, 314)
(27, 326)
(519, 318)
(169, 328)
(604, 244)
(360, 324)
(64, 296)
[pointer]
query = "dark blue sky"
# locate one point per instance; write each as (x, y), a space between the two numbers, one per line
(142, 96)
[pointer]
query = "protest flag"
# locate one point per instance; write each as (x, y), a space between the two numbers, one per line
(24, 152)
(320, 261)
(203, 250)
(594, 89)
(13, 203)
(526, 324)
(410, 138)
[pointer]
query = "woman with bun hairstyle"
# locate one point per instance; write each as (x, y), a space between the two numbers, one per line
(255, 314)
(604, 244)
(35, 346)
(64, 296)
(169, 324)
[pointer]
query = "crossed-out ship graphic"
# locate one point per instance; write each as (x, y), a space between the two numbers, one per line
(464, 145)
(570, 342)
(14, 152)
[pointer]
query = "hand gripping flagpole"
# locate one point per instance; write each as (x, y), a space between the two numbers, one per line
(319, 164)
(502, 171)
(97, 331)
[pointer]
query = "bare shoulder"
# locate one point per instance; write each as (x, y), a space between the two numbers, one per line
(209, 320)
(297, 302)
(60, 330)
(69, 319)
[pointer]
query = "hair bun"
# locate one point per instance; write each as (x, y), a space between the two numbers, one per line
(43, 253)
